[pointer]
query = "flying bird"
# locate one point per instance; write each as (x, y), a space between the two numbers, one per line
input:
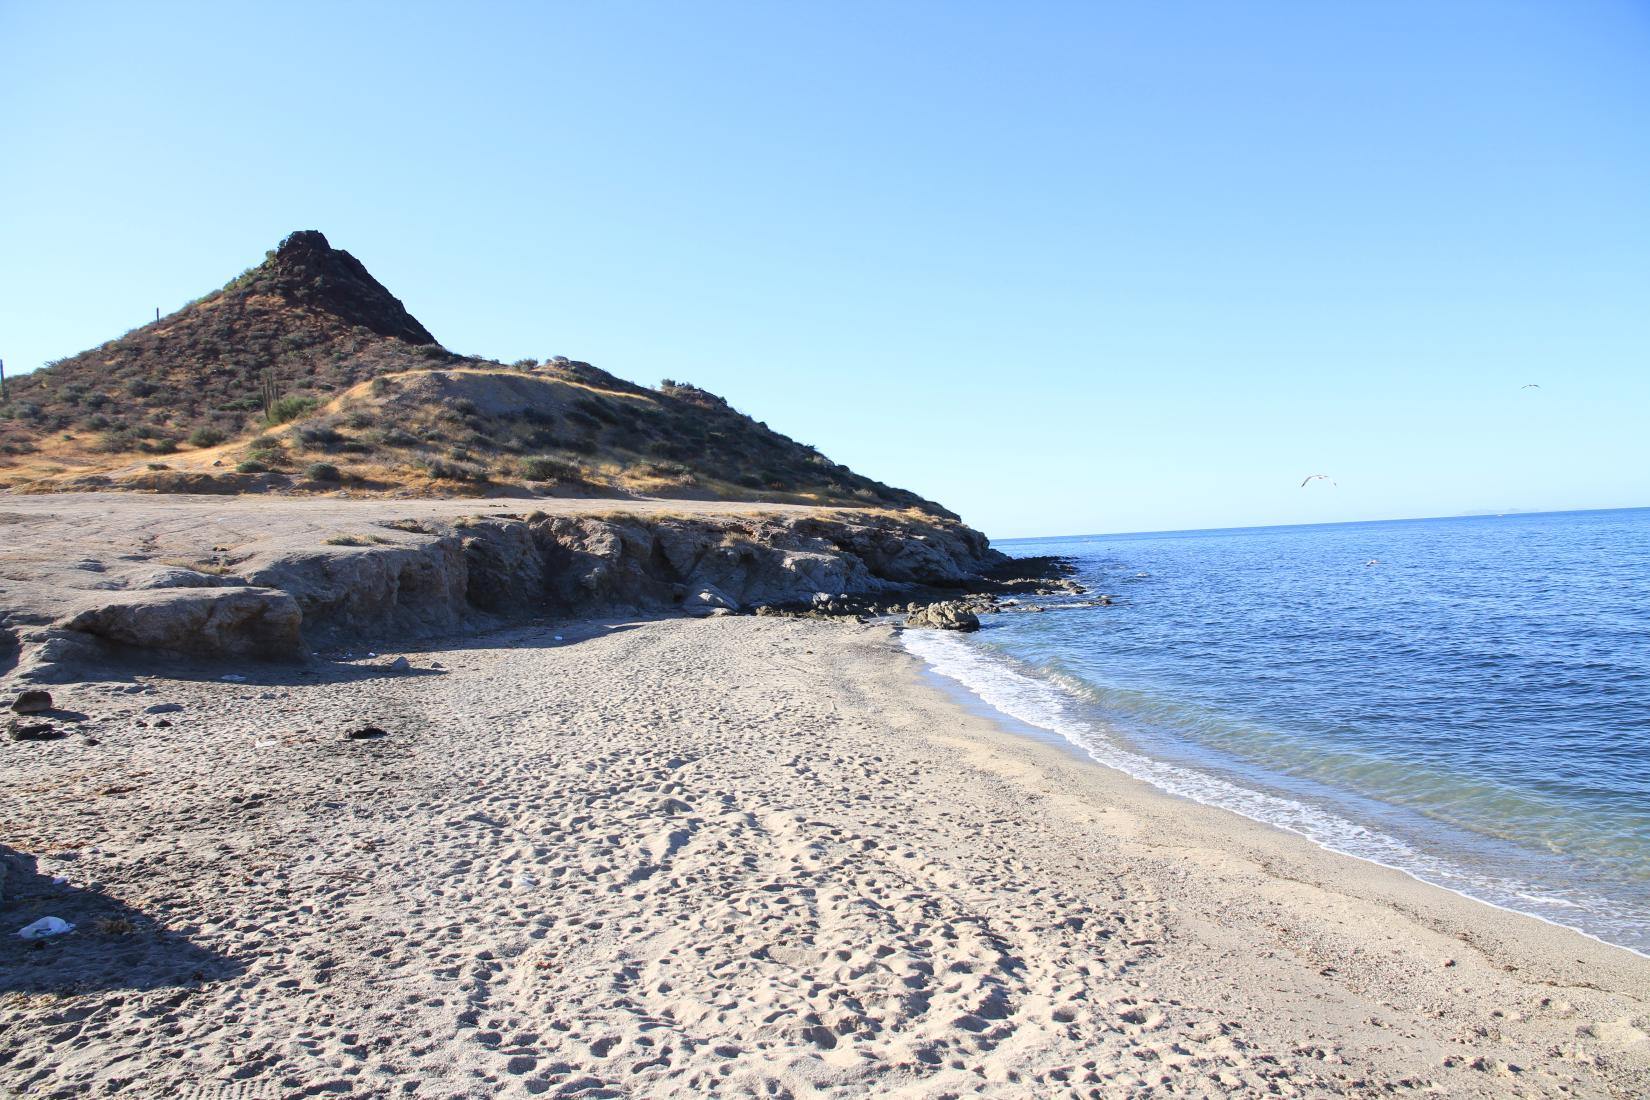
(1315, 477)
(1530, 386)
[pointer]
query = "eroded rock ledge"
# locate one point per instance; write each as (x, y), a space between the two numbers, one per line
(422, 578)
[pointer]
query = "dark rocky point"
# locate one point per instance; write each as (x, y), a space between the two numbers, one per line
(944, 616)
(306, 270)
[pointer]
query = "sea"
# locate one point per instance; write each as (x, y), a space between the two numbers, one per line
(1466, 700)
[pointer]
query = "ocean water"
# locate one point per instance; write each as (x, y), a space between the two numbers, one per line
(1466, 700)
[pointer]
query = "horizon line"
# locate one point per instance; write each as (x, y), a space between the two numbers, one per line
(1328, 523)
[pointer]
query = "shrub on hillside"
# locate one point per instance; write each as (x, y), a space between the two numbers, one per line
(549, 469)
(454, 470)
(323, 471)
(322, 434)
(392, 437)
(207, 437)
(289, 408)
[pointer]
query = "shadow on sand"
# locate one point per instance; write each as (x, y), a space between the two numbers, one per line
(112, 947)
(345, 666)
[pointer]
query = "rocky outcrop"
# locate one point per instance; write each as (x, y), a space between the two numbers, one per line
(306, 270)
(217, 622)
(943, 616)
(436, 578)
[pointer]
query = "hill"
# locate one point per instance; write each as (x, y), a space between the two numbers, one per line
(305, 374)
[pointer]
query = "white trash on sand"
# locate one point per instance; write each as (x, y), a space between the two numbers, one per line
(45, 926)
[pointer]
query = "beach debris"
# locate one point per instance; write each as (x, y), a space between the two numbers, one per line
(45, 926)
(33, 701)
(32, 731)
(233, 678)
(363, 733)
(163, 708)
(1316, 477)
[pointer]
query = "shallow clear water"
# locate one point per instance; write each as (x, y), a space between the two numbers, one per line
(1467, 699)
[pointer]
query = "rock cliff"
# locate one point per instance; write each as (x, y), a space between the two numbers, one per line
(442, 576)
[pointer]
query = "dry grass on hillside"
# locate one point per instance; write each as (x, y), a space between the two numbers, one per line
(305, 374)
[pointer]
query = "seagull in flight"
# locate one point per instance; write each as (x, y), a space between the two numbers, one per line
(1315, 477)
(1530, 386)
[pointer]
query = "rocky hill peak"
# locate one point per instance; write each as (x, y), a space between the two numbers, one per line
(306, 270)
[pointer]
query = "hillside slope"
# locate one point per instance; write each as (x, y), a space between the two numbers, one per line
(304, 374)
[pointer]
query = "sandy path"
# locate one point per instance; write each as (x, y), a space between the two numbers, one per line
(740, 857)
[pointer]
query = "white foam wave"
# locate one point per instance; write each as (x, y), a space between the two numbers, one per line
(1045, 705)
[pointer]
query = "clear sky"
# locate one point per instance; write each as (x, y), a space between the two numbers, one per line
(1064, 267)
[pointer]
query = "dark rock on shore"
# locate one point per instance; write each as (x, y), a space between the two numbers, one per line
(943, 616)
(32, 702)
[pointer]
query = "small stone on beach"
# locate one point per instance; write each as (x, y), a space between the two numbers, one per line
(32, 702)
(363, 733)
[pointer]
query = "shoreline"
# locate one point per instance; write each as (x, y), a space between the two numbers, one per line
(723, 857)
(967, 698)
(1009, 726)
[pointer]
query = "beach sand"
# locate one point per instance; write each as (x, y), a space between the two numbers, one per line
(734, 857)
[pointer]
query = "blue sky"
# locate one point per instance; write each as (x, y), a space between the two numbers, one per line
(1064, 267)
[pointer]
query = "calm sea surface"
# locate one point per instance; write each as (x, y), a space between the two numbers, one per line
(1467, 700)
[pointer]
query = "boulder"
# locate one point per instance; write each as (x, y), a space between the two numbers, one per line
(943, 616)
(708, 600)
(32, 702)
(208, 622)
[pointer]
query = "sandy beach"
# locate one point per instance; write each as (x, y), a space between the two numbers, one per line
(731, 857)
